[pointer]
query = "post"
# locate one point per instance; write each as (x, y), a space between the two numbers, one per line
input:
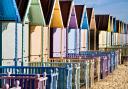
(0, 45)
(0, 49)
(42, 45)
(16, 44)
(22, 62)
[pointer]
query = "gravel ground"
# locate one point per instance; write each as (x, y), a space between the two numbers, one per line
(117, 80)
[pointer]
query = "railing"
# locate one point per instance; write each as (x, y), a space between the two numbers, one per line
(75, 71)
(81, 75)
(64, 73)
(23, 82)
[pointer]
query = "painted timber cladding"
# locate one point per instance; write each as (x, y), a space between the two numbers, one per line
(23, 7)
(47, 8)
(35, 43)
(58, 47)
(72, 30)
(36, 16)
(37, 31)
(56, 20)
(9, 12)
(79, 13)
(118, 31)
(66, 8)
(114, 32)
(56, 35)
(102, 22)
(92, 29)
(84, 31)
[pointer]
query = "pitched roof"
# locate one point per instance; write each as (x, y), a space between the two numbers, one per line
(121, 27)
(65, 7)
(89, 14)
(22, 6)
(118, 25)
(84, 24)
(56, 19)
(125, 28)
(47, 7)
(114, 25)
(79, 12)
(111, 24)
(9, 11)
(72, 19)
(91, 18)
(102, 22)
(36, 16)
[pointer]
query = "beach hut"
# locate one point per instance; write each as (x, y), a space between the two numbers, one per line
(79, 13)
(47, 8)
(65, 7)
(84, 31)
(118, 31)
(102, 25)
(125, 33)
(111, 31)
(92, 28)
(72, 32)
(56, 32)
(126, 36)
(36, 26)
(82, 21)
(14, 12)
(121, 33)
(113, 40)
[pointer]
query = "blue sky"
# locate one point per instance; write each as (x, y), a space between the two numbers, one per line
(116, 8)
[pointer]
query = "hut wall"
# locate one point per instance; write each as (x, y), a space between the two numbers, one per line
(84, 40)
(58, 42)
(72, 41)
(108, 39)
(102, 39)
(8, 43)
(45, 43)
(35, 43)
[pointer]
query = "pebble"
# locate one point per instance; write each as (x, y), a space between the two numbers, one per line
(117, 80)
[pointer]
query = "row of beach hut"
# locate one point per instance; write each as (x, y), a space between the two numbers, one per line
(65, 43)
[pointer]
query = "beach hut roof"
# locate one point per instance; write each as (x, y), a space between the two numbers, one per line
(89, 14)
(72, 19)
(114, 25)
(102, 22)
(65, 7)
(9, 11)
(79, 12)
(125, 28)
(84, 23)
(56, 19)
(47, 8)
(36, 16)
(23, 6)
(13, 10)
(91, 18)
(118, 25)
(111, 24)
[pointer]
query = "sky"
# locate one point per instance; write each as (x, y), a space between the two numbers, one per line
(116, 8)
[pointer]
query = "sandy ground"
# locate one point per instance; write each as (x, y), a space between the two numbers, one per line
(117, 80)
